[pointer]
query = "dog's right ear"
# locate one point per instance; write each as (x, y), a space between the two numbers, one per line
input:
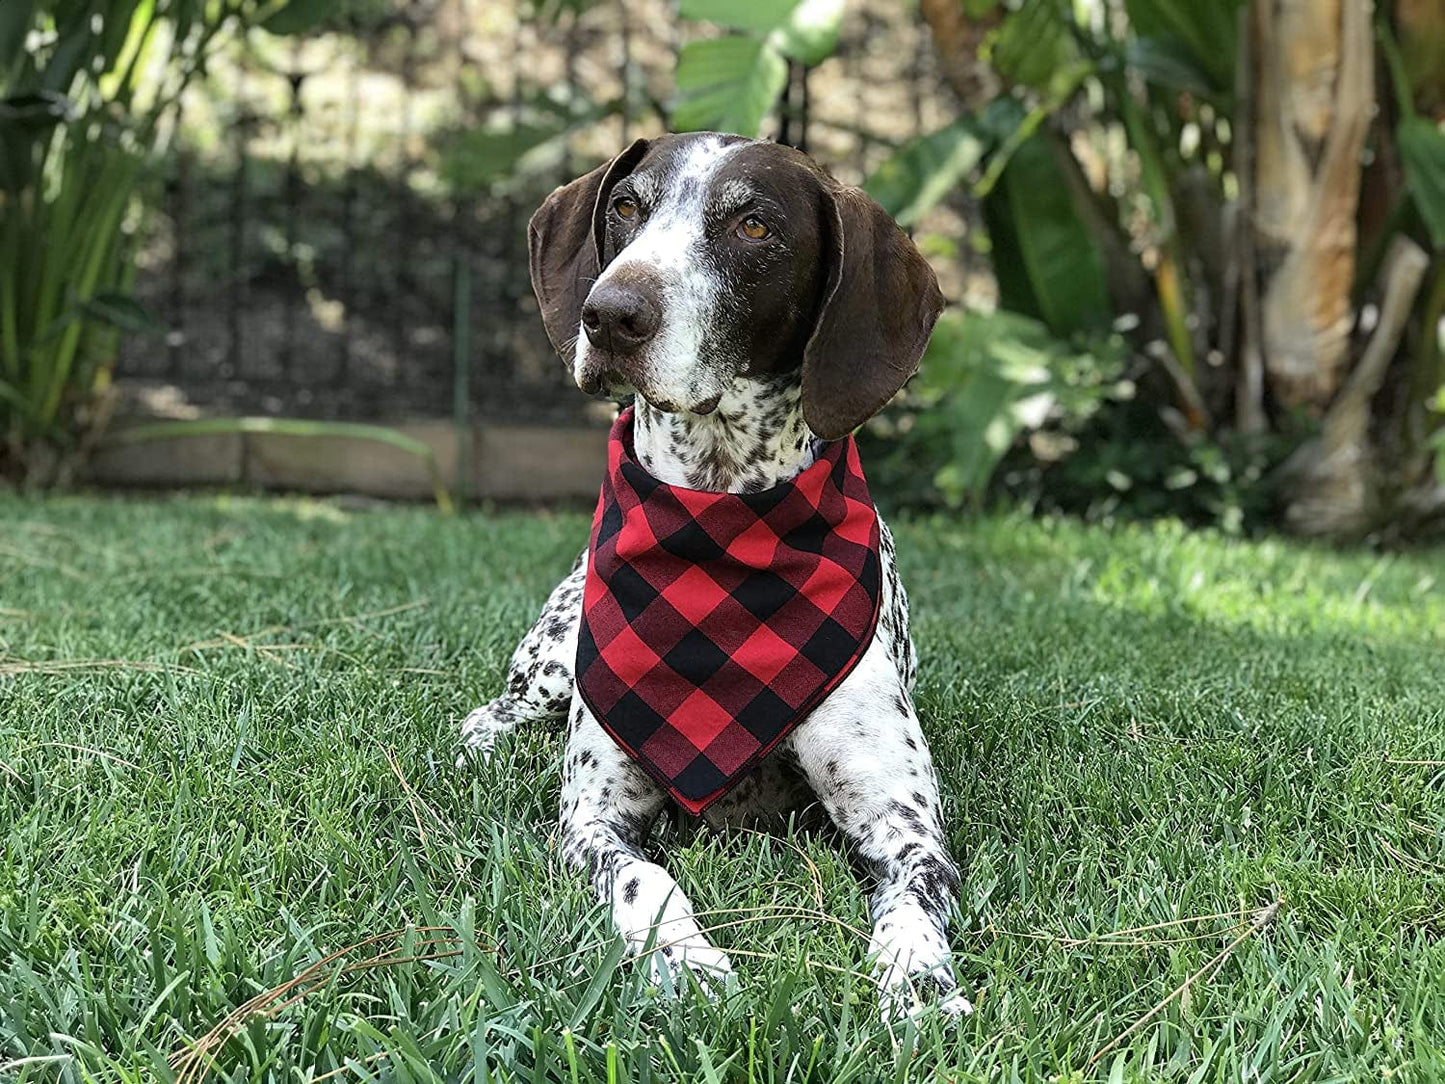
(880, 304)
(564, 245)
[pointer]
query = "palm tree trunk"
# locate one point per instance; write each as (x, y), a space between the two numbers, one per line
(1314, 96)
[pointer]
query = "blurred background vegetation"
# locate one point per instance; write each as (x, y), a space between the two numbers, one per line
(1193, 247)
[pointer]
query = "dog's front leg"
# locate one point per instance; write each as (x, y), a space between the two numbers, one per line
(864, 755)
(539, 679)
(608, 807)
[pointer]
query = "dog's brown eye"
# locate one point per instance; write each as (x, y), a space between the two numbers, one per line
(625, 208)
(753, 228)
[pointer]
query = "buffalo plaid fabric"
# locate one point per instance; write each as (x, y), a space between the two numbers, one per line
(712, 623)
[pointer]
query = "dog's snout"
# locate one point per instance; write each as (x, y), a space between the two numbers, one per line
(620, 318)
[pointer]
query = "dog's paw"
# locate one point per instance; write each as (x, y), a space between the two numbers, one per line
(480, 731)
(903, 995)
(913, 968)
(657, 923)
(670, 966)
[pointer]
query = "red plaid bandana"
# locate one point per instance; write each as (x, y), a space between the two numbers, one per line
(712, 623)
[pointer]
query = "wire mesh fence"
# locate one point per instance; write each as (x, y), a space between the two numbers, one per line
(342, 219)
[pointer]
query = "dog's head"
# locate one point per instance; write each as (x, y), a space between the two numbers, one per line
(689, 261)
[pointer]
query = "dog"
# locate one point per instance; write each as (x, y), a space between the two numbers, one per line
(756, 309)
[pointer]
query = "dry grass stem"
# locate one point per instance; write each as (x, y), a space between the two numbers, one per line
(70, 666)
(813, 872)
(1261, 920)
(194, 1063)
(93, 752)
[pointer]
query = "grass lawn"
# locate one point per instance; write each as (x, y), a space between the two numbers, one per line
(227, 731)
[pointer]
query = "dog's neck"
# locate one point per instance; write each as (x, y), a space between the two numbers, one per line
(755, 439)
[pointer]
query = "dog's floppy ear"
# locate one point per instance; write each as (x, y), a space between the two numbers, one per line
(880, 302)
(564, 245)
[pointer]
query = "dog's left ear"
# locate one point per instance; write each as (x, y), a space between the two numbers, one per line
(564, 245)
(880, 302)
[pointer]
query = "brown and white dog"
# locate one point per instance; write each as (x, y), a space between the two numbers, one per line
(755, 307)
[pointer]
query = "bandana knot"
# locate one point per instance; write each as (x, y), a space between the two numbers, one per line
(713, 623)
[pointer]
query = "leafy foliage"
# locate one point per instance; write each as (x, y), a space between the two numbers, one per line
(473, 157)
(910, 183)
(1182, 40)
(1108, 183)
(1125, 463)
(77, 121)
(730, 83)
(1046, 263)
(298, 16)
(987, 378)
(1422, 151)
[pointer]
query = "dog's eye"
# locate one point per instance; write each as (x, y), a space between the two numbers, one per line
(625, 207)
(753, 228)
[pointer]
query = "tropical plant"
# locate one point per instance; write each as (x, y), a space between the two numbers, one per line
(732, 82)
(985, 379)
(1166, 164)
(87, 94)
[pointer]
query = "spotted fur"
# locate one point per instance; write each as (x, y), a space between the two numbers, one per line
(740, 355)
(861, 755)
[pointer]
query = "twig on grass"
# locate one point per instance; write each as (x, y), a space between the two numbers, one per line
(1115, 938)
(172, 573)
(800, 912)
(356, 619)
(266, 651)
(370, 1059)
(1106, 941)
(1418, 763)
(1407, 859)
(11, 772)
(414, 800)
(813, 871)
(68, 666)
(1189, 921)
(411, 798)
(227, 639)
(194, 1063)
(94, 752)
(1261, 920)
(39, 562)
(759, 913)
(271, 651)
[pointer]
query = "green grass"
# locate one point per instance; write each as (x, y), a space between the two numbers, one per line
(1133, 726)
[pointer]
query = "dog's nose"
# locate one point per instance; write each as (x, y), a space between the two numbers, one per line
(620, 318)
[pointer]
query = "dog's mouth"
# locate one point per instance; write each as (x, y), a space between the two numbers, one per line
(668, 406)
(609, 382)
(605, 383)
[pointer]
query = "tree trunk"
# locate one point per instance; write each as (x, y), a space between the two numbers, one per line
(1314, 96)
(956, 39)
(1338, 489)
